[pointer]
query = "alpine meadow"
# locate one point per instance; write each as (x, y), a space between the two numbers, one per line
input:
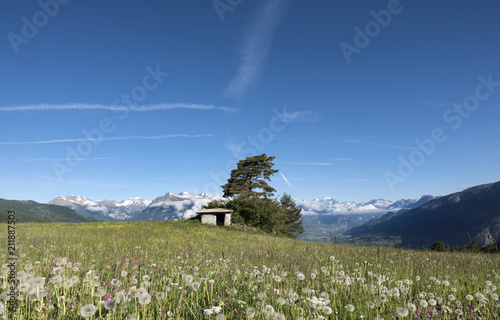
(249, 160)
(185, 270)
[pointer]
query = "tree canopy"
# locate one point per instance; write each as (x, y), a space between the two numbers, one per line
(250, 198)
(293, 215)
(250, 177)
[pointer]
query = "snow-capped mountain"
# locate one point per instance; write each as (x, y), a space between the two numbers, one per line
(173, 197)
(326, 218)
(107, 210)
(414, 204)
(330, 206)
(172, 206)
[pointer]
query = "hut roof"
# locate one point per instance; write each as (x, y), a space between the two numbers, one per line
(214, 211)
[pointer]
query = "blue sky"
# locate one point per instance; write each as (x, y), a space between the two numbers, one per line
(173, 93)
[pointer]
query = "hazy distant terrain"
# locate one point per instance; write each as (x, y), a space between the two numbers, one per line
(456, 219)
(326, 220)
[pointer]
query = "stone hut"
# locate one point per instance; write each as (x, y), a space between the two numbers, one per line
(217, 216)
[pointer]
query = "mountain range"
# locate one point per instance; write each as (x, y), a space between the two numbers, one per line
(105, 210)
(329, 206)
(172, 206)
(322, 218)
(326, 219)
(456, 219)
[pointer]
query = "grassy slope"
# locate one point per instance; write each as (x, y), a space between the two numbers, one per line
(21, 215)
(166, 250)
(31, 211)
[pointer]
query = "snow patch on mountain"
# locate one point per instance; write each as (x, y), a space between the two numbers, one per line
(172, 206)
(77, 200)
(97, 208)
(330, 206)
(108, 210)
(134, 201)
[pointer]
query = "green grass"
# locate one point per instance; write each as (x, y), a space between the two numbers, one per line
(188, 269)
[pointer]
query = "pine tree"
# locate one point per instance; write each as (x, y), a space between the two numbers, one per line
(293, 214)
(250, 176)
(252, 202)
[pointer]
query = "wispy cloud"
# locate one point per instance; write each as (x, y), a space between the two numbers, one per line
(257, 44)
(140, 108)
(168, 136)
(234, 148)
(286, 180)
(302, 116)
(52, 159)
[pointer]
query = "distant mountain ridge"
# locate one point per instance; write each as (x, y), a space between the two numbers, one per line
(456, 219)
(173, 206)
(328, 219)
(170, 206)
(31, 211)
(176, 206)
(326, 206)
(106, 210)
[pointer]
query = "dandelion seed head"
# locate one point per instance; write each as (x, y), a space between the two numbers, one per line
(350, 307)
(327, 310)
(402, 312)
(111, 304)
(195, 285)
(145, 299)
(87, 310)
(251, 312)
(268, 309)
